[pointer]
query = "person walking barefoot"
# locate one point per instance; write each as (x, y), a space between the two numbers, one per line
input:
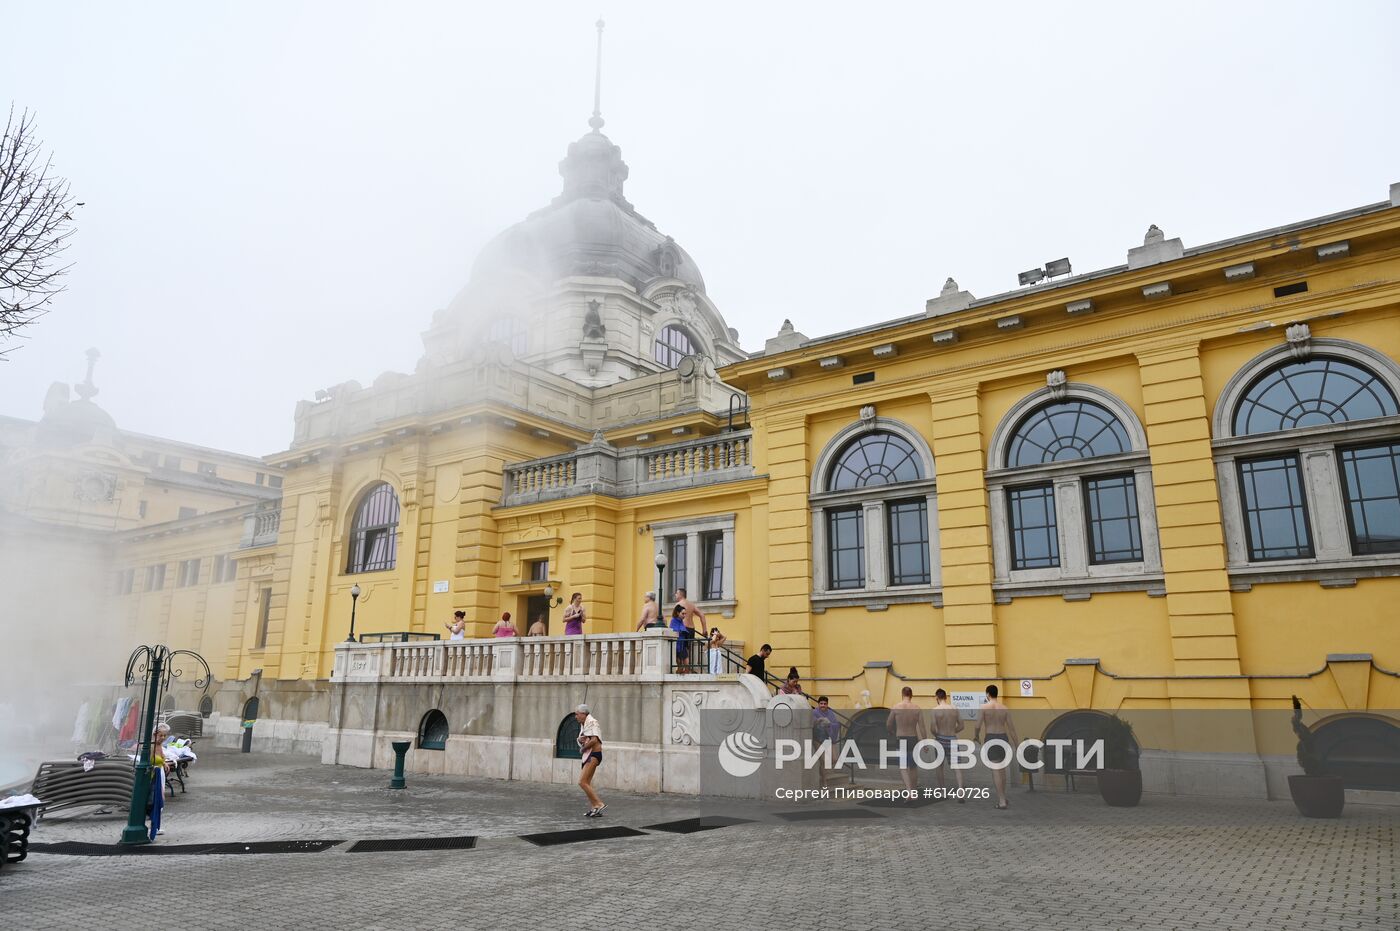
(995, 722)
(590, 741)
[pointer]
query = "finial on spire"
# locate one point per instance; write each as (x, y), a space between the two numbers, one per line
(595, 122)
(87, 390)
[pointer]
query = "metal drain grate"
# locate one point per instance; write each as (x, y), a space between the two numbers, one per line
(828, 814)
(550, 838)
(393, 844)
(692, 825)
(77, 849)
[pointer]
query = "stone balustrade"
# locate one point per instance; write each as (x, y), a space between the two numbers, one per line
(601, 468)
(260, 527)
(635, 657)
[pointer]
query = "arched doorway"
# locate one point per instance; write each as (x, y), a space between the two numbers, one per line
(566, 740)
(250, 715)
(1077, 726)
(433, 731)
(867, 730)
(1362, 749)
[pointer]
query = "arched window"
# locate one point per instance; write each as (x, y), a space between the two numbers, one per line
(1312, 393)
(874, 515)
(374, 531)
(1311, 471)
(881, 458)
(1065, 430)
(672, 345)
(1071, 494)
(566, 740)
(432, 731)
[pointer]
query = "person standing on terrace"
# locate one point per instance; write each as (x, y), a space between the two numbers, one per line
(574, 616)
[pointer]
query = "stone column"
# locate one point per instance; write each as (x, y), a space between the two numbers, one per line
(1177, 421)
(964, 533)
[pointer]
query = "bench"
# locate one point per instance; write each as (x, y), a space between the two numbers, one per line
(63, 784)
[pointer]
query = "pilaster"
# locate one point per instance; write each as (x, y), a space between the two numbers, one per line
(1177, 420)
(964, 533)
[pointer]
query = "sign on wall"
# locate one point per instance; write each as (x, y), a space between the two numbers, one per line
(440, 587)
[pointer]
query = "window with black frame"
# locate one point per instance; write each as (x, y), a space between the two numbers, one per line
(712, 566)
(875, 517)
(672, 345)
(1075, 446)
(678, 548)
(373, 541)
(1315, 452)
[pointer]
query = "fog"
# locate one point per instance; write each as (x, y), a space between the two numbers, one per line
(279, 195)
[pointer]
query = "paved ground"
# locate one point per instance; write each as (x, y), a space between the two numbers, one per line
(1055, 860)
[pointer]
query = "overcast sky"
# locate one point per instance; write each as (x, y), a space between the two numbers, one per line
(279, 195)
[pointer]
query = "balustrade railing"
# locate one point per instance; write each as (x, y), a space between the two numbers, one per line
(697, 457)
(604, 469)
(650, 653)
(260, 527)
(542, 475)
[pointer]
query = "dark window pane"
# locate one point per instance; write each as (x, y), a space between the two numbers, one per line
(1035, 541)
(713, 548)
(1066, 430)
(1371, 477)
(1275, 515)
(908, 542)
(374, 531)
(676, 563)
(845, 546)
(672, 345)
(1312, 393)
(878, 458)
(1115, 533)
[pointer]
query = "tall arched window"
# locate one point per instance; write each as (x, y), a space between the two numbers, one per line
(1309, 459)
(374, 531)
(672, 345)
(1071, 494)
(874, 516)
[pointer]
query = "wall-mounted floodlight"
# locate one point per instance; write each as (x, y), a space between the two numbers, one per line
(1031, 277)
(1057, 268)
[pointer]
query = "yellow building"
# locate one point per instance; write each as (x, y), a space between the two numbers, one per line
(1171, 483)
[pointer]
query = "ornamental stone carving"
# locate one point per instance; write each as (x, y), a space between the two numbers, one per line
(1058, 384)
(1299, 336)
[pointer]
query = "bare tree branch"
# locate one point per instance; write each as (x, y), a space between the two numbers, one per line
(36, 223)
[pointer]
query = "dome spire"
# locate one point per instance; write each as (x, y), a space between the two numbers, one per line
(595, 122)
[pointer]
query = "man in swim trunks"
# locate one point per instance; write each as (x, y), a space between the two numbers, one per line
(590, 741)
(995, 722)
(947, 724)
(906, 724)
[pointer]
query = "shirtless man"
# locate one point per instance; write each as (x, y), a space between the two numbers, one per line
(537, 629)
(648, 611)
(995, 722)
(906, 723)
(947, 724)
(688, 615)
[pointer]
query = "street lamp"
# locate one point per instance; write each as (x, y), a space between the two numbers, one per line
(354, 599)
(660, 575)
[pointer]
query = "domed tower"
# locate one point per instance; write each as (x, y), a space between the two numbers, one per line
(586, 287)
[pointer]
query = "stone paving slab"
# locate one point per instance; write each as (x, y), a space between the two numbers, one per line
(1054, 860)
